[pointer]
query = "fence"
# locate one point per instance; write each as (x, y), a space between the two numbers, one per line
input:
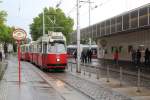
(108, 72)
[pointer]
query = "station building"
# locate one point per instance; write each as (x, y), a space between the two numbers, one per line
(124, 32)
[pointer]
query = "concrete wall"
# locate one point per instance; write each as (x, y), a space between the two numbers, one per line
(140, 39)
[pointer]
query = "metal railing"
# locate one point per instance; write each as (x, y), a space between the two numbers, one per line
(98, 69)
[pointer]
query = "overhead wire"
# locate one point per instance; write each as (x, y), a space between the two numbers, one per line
(19, 7)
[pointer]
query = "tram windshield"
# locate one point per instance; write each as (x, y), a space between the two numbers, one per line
(56, 47)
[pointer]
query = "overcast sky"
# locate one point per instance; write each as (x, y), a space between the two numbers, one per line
(21, 12)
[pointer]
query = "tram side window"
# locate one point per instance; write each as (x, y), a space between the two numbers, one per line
(45, 48)
(39, 48)
(30, 49)
(26, 48)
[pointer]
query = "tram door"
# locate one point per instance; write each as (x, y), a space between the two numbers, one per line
(44, 57)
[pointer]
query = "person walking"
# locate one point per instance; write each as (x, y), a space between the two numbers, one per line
(138, 57)
(116, 56)
(89, 55)
(75, 55)
(85, 55)
(147, 56)
(134, 56)
(82, 56)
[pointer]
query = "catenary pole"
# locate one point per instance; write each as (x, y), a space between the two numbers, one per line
(90, 24)
(43, 23)
(78, 69)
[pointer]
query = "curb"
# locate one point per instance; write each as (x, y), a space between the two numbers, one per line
(3, 67)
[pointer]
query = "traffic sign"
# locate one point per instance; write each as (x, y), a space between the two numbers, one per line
(19, 34)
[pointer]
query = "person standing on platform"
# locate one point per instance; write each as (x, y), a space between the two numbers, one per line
(90, 55)
(116, 56)
(134, 56)
(75, 55)
(138, 57)
(147, 56)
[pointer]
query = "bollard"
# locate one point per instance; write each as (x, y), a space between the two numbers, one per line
(120, 76)
(107, 74)
(138, 80)
(84, 68)
(71, 67)
(67, 66)
(97, 73)
(89, 74)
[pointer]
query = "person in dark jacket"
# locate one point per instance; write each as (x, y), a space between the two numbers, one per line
(138, 57)
(75, 54)
(89, 55)
(82, 56)
(134, 56)
(147, 56)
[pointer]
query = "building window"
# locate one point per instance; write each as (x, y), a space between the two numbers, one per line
(120, 49)
(130, 48)
(112, 49)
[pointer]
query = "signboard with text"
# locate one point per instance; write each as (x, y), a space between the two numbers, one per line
(19, 34)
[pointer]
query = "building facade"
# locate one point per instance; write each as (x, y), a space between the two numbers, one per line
(125, 32)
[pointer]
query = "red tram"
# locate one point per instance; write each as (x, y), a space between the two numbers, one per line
(48, 52)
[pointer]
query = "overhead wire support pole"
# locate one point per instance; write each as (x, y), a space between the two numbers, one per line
(43, 23)
(89, 1)
(78, 69)
(43, 28)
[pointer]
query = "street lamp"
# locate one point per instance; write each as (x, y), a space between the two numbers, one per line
(43, 23)
(89, 1)
(78, 69)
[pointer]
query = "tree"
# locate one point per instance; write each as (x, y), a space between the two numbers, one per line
(55, 20)
(3, 15)
(5, 31)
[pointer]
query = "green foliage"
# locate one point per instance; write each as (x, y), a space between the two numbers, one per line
(55, 20)
(5, 31)
(3, 15)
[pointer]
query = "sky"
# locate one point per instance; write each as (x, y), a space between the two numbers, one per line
(22, 12)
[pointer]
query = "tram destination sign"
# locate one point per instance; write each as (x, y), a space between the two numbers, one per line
(19, 34)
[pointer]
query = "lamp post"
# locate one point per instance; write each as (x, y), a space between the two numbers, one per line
(78, 69)
(89, 1)
(43, 23)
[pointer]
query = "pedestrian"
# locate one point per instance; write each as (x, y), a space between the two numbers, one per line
(147, 56)
(85, 55)
(82, 56)
(75, 55)
(134, 56)
(138, 57)
(1, 56)
(89, 55)
(116, 56)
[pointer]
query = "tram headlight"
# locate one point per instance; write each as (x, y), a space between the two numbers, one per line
(58, 59)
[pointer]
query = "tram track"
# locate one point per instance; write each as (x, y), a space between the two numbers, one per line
(66, 91)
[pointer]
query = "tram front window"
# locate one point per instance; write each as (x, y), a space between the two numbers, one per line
(56, 48)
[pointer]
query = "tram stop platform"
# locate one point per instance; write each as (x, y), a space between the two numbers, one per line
(37, 85)
(126, 88)
(32, 86)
